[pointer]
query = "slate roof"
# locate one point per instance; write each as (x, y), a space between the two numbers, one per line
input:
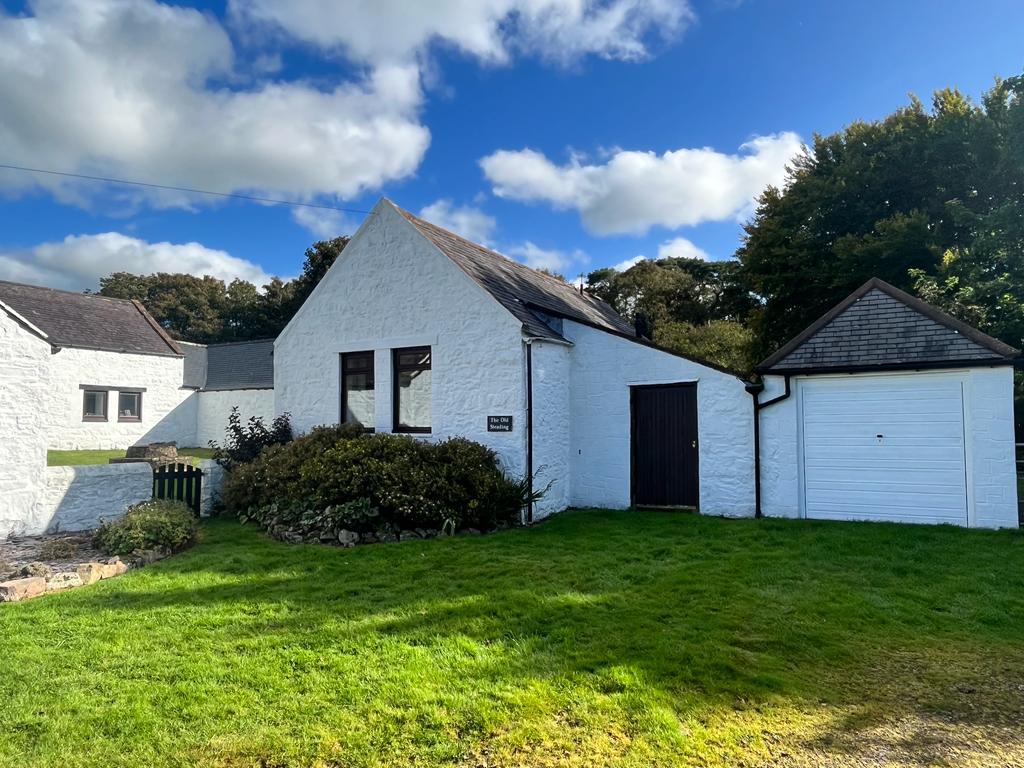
(521, 290)
(88, 321)
(240, 365)
(880, 326)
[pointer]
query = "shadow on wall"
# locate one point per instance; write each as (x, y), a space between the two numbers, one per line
(79, 498)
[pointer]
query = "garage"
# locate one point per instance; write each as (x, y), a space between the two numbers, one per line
(887, 409)
(885, 448)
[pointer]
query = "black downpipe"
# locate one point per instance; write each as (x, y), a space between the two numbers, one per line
(755, 390)
(529, 428)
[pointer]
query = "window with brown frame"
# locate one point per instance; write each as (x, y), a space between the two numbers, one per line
(357, 389)
(94, 405)
(129, 406)
(411, 390)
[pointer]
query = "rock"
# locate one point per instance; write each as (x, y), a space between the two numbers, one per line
(470, 532)
(406, 535)
(90, 573)
(431, 533)
(22, 589)
(291, 537)
(63, 581)
(113, 567)
(35, 569)
(420, 532)
(368, 538)
(326, 536)
(348, 538)
(141, 557)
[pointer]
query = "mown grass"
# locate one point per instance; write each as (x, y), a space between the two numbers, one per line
(55, 458)
(597, 638)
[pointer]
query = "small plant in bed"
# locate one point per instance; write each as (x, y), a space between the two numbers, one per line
(156, 524)
(338, 483)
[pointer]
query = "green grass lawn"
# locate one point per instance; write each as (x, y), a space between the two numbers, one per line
(597, 638)
(78, 458)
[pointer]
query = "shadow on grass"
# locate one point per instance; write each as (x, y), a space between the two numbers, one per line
(688, 614)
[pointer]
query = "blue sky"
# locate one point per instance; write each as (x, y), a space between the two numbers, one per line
(571, 134)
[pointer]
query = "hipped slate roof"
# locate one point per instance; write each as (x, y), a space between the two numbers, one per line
(880, 326)
(520, 289)
(88, 321)
(233, 365)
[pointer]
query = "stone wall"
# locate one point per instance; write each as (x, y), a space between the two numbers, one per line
(24, 380)
(80, 498)
(214, 407)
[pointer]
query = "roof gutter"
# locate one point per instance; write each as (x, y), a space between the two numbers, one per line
(755, 390)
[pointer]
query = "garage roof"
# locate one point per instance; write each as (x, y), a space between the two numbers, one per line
(88, 321)
(878, 326)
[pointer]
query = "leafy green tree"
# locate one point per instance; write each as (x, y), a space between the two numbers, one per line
(929, 200)
(205, 310)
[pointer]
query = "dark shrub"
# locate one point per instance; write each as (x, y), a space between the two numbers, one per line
(243, 442)
(149, 525)
(340, 478)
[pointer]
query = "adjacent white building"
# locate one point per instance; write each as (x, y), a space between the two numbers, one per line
(80, 371)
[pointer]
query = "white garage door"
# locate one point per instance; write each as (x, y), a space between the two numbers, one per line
(885, 448)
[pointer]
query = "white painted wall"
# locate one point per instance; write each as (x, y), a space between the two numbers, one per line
(988, 423)
(602, 370)
(551, 425)
(80, 498)
(24, 382)
(213, 409)
(392, 288)
(168, 409)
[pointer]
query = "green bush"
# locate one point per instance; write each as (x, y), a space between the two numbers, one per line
(152, 524)
(244, 442)
(337, 478)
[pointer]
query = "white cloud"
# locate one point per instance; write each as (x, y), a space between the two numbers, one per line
(634, 191)
(78, 261)
(622, 266)
(325, 223)
(553, 260)
(681, 248)
(136, 89)
(464, 220)
(376, 31)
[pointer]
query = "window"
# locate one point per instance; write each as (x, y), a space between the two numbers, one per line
(357, 389)
(411, 389)
(129, 406)
(94, 405)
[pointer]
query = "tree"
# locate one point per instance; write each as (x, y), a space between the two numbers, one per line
(687, 305)
(930, 201)
(205, 310)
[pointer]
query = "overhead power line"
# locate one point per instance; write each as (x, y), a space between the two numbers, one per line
(252, 198)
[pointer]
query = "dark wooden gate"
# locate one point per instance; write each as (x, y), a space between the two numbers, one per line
(181, 482)
(664, 440)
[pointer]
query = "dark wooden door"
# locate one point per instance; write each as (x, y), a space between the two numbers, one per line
(665, 445)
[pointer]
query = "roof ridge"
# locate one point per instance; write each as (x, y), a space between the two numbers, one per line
(562, 284)
(84, 294)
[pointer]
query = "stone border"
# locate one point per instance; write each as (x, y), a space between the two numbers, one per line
(17, 590)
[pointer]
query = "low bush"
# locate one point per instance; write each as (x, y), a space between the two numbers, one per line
(58, 549)
(243, 442)
(159, 523)
(338, 478)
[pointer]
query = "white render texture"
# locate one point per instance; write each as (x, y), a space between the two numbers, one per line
(80, 498)
(551, 425)
(213, 485)
(603, 368)
(392, 288)
(168, 409)
(213, 409)
(24, 383)
(988, 426)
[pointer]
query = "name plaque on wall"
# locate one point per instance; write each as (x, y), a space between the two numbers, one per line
(499, 423)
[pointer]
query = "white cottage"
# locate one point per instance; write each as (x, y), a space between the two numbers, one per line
(417, 330)
(81, 371)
